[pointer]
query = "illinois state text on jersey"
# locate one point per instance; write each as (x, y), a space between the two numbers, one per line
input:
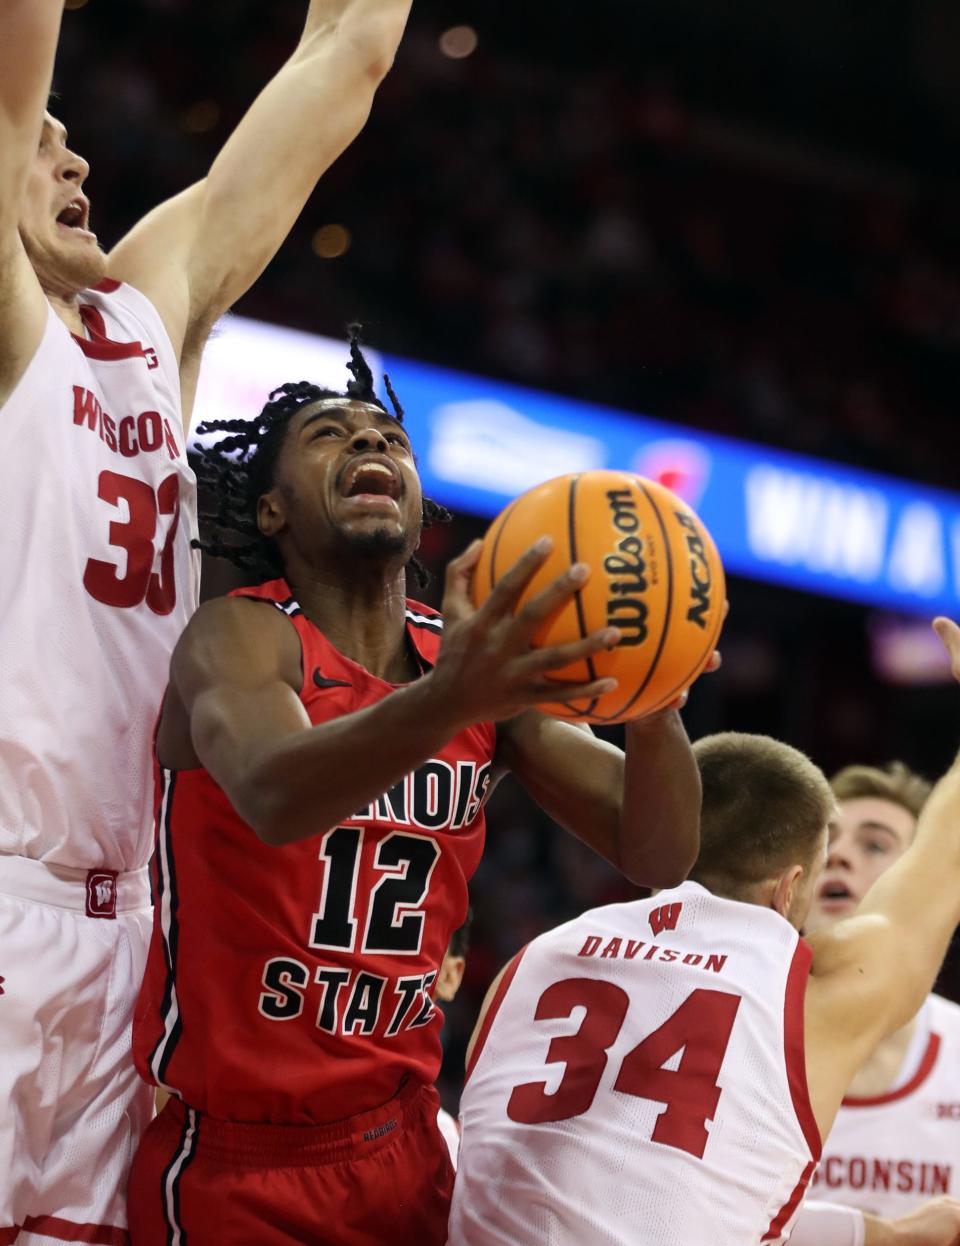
(293, 984)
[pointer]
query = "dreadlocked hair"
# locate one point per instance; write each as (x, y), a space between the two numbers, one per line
(238, 469)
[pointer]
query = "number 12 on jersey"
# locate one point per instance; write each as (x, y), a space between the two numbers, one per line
(700, 1028)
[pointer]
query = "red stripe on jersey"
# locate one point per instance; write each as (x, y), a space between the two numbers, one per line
(502, 988)
(793, 1046)
(782, 1218)
(108, 286)
(921, 1075)
(66, 1231)
(98, 345)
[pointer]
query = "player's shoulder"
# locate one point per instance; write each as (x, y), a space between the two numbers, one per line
(121, 297)
(238, 627)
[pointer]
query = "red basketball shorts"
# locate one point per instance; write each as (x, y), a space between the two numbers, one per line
(382, 1177)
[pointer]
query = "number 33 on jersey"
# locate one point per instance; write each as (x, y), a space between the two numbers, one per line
(639, 1076)
(99, 580)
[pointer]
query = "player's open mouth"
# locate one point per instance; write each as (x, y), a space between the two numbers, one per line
(75, 217)
(834, 893)
(374, 482)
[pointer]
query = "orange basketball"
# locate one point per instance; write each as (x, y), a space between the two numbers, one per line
(654, 573)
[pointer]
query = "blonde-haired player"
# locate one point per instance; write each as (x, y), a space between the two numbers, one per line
(664, 1071)
(894, 1149)
(98, 363)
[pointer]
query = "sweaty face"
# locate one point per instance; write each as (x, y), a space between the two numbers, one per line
(345, 483)
(868, 835)
(55, 216)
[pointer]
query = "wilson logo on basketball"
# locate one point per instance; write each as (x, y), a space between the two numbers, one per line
(655, 576)
(627, 569)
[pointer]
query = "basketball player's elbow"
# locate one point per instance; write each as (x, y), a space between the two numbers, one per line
(366, 46)
(267, 811)
(373, 39)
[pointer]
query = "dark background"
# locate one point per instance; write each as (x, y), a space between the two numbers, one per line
(734, 215)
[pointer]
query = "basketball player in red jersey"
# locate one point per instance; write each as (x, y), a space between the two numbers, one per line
(665, 1070)
(325, 749)
(896, 1139)
(98, 360)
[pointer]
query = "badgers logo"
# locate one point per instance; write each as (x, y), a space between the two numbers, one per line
(626, 571)
(701, 581)
(665, 917)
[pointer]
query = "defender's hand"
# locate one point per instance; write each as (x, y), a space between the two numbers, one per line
(488, 666)
(936, 1223)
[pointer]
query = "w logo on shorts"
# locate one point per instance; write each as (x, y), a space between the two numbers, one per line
(665, 917)
(102, 893)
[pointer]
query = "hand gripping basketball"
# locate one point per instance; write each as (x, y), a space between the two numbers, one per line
(488, 665)
(655, 575)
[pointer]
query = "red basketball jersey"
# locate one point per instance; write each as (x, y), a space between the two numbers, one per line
(293, 984)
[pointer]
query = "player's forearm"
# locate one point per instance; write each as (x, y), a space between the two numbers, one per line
(640, 811)
(938, 829)
(369, 29)
(295, 129)
(29, 30)
(918, 900)
(925, 883)
(660, 819)
(574, 777)
(309, 781)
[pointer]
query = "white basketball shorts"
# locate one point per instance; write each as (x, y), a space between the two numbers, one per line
(73, 945)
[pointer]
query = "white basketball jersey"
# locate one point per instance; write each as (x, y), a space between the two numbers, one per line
(640, 1079)
(450, 1131)
(98, 581)
(890, 1153)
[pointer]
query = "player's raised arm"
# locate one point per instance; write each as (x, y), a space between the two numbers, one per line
(197, 253)
(28, 41)
(871, 973)
(640, 809)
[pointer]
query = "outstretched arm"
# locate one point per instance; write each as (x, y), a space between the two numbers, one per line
(871, 973)
(196, 254)
(28, 41)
